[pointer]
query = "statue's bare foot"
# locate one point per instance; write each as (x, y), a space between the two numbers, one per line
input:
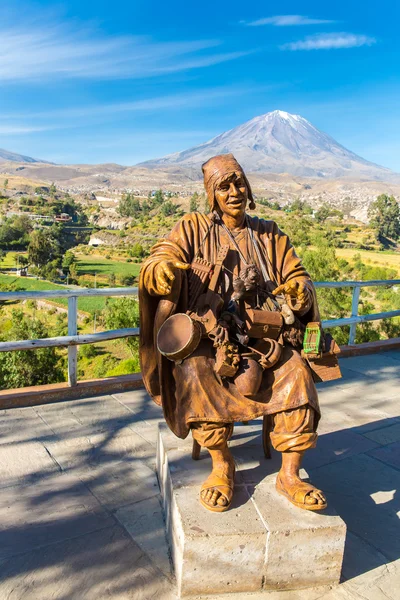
(217, 491)
(301, 494)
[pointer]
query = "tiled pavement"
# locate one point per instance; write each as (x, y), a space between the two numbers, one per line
(80, 514)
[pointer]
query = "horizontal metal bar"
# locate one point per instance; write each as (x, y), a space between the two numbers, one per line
(339, 284)
(68, 293)
(360, 319)
(132, 291)
(69, 340)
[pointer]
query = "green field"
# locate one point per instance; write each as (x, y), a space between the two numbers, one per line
(104, 266)
(10, 261)
(380, 259)
(89, 305)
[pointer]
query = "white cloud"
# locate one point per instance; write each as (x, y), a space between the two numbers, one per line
(30, 52)
(288, 20)
(329, 41)
(19, 129)
(168, 102)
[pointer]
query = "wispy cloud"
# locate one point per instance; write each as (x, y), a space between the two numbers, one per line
(330, 41)
(288, 20)
(20, 129)
(57, 50)
(171, 102)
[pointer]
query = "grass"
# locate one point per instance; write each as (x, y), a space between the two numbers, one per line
(381, 259)
(10, 261)
(89, 305)
(104, 266)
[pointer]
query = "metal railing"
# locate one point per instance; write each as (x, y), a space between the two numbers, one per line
(73, 339)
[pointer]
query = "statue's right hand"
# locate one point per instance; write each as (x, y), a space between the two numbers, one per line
(165, 275)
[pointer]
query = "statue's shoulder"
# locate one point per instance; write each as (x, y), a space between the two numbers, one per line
(195, 220)
(262, 226)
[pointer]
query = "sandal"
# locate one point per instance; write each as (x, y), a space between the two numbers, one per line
(224, 485)
(298, 493)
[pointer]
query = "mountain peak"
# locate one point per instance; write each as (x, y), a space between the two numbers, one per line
(7, 156)
(279, 142)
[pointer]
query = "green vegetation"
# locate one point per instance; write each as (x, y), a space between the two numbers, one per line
(26, 367)
(331, 248)
(384, 215)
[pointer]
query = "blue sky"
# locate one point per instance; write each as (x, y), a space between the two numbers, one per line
(129, 81)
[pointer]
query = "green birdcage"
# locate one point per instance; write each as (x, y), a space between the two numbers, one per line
(312, 338)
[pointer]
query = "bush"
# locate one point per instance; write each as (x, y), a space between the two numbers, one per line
(88, 351)
(126, 280)
(125, 367)
(106, 363)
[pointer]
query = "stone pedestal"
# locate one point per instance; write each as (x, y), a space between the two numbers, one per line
(261, 543)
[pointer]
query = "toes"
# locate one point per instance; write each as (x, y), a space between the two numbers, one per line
(214, 498)
(310, 499)
(222, 501)
(320, 497)
(208, 495)
(317, 496)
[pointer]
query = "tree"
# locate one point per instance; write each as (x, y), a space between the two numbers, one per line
(129, 206)
(158, 198)
(194, 202)
(137, 250)
(122, 313)
(322, 213)
(5, 185)
(42, 248)
(384, 216)
(168, 208)
(28, 367)
(68, 260)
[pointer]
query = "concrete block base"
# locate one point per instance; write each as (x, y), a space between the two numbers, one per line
(261, 543)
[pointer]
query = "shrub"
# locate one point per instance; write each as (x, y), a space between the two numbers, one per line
(88, 351)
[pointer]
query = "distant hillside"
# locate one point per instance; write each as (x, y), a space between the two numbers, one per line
(6, 156)
(279, 142)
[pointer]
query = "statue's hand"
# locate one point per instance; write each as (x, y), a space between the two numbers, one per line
(297, 294)
(165, 275)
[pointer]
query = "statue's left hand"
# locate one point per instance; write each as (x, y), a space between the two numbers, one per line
(296, 293)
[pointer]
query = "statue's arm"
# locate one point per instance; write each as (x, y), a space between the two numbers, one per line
(159, 270)
(295, 282)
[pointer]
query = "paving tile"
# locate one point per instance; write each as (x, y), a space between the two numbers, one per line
(85, 416)
(24, 461)
(57, 508)
(145, 524)
(95, 566)
(140, 403)
(375, 365)
(82, 453)
(363, 564)
(384, 584)
(385, 435)
(336, 446)
(363, 491)
(119, 483)
(22, 425)
(388, 454)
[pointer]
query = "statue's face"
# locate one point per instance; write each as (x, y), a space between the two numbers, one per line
(231, 195)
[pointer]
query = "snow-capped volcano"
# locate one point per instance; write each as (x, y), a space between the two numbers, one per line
(279, 142)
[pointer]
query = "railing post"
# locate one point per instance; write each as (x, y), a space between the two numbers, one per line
(354, 313)
(72, 350)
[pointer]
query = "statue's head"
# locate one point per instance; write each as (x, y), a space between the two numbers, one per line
(227, 187)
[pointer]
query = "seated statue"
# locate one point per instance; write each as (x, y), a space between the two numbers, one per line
(224, 304)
